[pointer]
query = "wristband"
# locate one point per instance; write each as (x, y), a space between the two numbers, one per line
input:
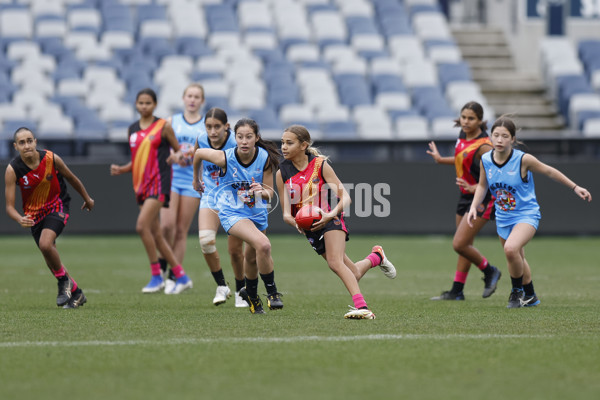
(574, 187)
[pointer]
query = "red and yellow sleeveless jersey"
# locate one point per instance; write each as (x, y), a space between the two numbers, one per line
(464, 155)
(149, 152)
(306, 186)
(43, 189)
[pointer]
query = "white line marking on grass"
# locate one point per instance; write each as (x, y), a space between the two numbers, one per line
(291, 339)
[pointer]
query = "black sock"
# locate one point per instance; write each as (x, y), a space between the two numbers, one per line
(239, 284)
(528, 288)
(457, 287)
(517, 283)
(163, 264)
(269, 281)
(252, 287)
(488, 270)
(219, 277)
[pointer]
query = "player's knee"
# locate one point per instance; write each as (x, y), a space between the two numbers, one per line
(208, 240)
(264, 248)
(45, 246)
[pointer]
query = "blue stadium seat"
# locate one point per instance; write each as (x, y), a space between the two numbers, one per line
(454, 72)
(266, 118)
(221, 102)
(361, 25)
(431, 102)
(568, 85)
(221, 18)
(387, 83)
(583, 116)
(147, 12)
(193, 47)
(11, 125)
(339, 130)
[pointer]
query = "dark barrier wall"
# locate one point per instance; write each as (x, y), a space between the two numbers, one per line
(421, 200)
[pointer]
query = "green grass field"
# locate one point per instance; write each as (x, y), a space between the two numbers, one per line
(125, 345)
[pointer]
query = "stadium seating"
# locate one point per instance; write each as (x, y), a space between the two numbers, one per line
(364, 69)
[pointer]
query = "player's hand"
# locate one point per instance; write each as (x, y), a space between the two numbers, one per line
(465, 185)
(583, 193)
(88, 204)
(175, 157)
(325, 218)
(255, 189)
(115, 169)
(433, 152)
(471, 216)
(26, 221)
(198, 185)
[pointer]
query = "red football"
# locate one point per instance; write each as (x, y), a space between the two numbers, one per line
(307, 216)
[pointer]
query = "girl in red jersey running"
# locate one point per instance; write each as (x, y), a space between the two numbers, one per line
(39, 174)
(150, 140)
(472, 142)
(301, 180)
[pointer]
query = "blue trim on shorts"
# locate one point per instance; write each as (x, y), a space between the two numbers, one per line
(184, 190)
(504, 231)
(232, 220)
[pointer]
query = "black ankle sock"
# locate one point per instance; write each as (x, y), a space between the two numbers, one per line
(163, 264)
(528, 288)
(269, 281)
(252, 287)
(489, 270)
(517, 283)
(219, 277)
(239, 284)
(457, 287)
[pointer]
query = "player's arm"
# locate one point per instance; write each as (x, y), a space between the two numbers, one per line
(534, 165)
(10, 186)
(216, 157)
(338, 188)
(284, 198)
(167, 133)
(88, 202)
(435, 154)
(120, 169)
(484, 148)
(480, 192)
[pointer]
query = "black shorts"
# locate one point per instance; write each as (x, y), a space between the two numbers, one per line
(55, 222)
(485, 210)
(163, 197)
(317, 239)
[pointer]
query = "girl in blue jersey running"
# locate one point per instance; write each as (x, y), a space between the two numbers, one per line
(175, 220)
(507, 172)
(245, 186)
(218, 136)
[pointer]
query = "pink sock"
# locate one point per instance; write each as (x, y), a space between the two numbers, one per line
(460, 276)
(359, 301)
(155, 268)
(375, 259)
(483, 265)
(61, 272)
(178, 271)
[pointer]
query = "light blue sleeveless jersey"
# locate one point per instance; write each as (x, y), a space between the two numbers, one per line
(186, 135)
(232, 198)
(210, 172)
(515, 197)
